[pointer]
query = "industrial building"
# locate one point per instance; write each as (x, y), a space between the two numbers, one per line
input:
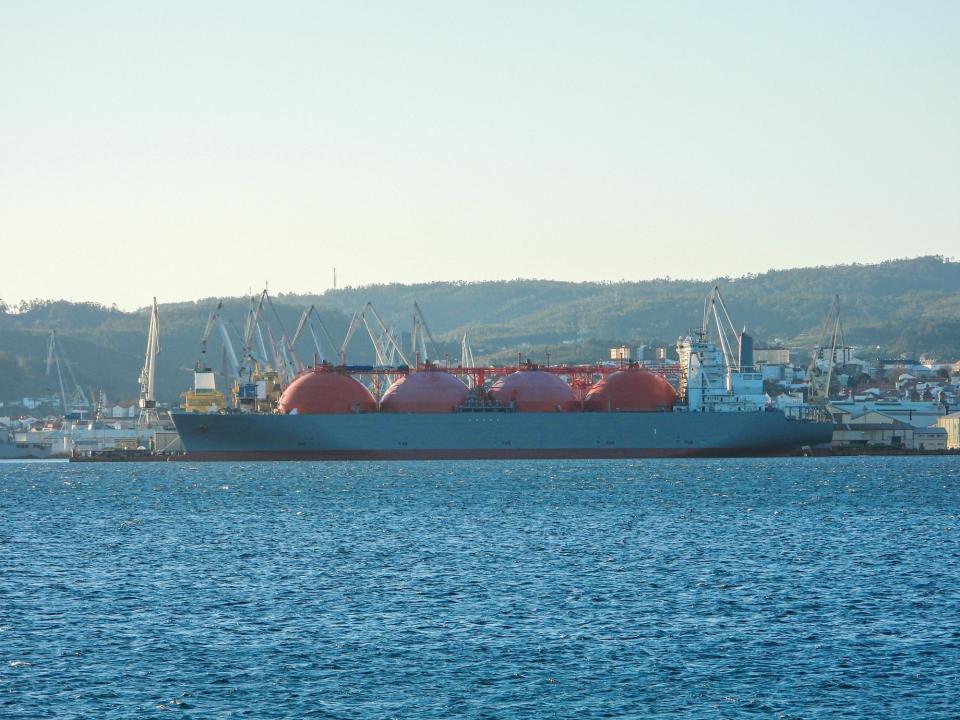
(874, 429)
(951, 425)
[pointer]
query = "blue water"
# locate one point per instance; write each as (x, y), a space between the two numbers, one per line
(798, 588)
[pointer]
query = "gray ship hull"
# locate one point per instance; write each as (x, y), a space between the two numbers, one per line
(494, 435)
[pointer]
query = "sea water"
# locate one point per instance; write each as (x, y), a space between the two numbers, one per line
(788, 588)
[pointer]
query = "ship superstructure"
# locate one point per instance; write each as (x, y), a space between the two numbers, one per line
(718, 375)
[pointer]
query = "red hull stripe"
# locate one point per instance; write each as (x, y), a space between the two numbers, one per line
(489, 454)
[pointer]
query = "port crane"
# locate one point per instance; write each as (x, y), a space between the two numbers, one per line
(231, 365)
(381, 342)
(285, 358)
(420, 335)
(254, 350)
(279, 358)
(831, 333)
(306, 322)
(385, 346)
(466, 359)
(77, 402)
(148, 376)
(263, 365)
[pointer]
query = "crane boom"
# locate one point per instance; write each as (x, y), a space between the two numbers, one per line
(316, 342)
(53, 360)
(287, 346)
(78, 399)
(388, 335)
(831, 332)
(351, 329)
(378, 343)
(148, 376)
(360, 318)
(252, 334)
(305, 322)
(233, 365)
(421, 333)
(211, 321)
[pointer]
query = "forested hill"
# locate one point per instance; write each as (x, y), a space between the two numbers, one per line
(902, 305)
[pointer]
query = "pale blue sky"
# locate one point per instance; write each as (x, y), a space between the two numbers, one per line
(190, 149)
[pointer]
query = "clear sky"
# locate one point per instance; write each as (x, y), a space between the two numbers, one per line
(188, 149)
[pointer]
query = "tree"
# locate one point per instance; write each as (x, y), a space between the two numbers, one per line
(893, 374)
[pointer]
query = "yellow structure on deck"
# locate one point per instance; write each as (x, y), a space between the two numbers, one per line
(204, 398)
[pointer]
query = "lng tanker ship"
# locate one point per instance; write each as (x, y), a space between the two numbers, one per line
(715, 407)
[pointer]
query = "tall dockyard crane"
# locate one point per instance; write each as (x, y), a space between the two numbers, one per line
(148, 376)
(387, 350)
(264, 357)
(306, 322)
(466, 358)
(385, 346)
(264, 349)
(77, 402)
(231, 365)
(286, 362)
(254, 350)
(831, 333)
(351, 329)
(53, 360)
(384, 340)
(421, 333)
(283, 360)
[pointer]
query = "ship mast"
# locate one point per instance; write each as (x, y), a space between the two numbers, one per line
(716, 309)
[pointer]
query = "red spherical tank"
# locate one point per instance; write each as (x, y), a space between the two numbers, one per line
(321, 391)
(632, 390)
(426, 391)
(534, 391)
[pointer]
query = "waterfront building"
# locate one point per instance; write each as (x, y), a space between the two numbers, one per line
(771, 355)
(951, 425)
(922, 413)
(875, 429)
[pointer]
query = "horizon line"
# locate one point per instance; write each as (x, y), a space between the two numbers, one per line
(14, 307)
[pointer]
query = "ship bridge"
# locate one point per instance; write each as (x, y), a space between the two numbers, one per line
(717, 373)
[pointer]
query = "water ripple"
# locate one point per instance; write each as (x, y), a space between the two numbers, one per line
(717, 589)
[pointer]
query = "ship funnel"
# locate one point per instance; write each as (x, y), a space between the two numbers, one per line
(746, 351)
(204, 379)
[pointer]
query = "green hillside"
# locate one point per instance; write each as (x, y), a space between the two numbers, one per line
(902, 305)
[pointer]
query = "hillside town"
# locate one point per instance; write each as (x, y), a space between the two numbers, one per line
(907, 403)
(875, 402)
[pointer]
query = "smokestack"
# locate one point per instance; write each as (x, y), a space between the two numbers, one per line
(746, 351)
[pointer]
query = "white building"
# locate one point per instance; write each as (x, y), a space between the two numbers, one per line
(875, 429)
(918, 414)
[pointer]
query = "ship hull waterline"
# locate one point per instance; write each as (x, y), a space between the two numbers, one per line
(494, 436)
